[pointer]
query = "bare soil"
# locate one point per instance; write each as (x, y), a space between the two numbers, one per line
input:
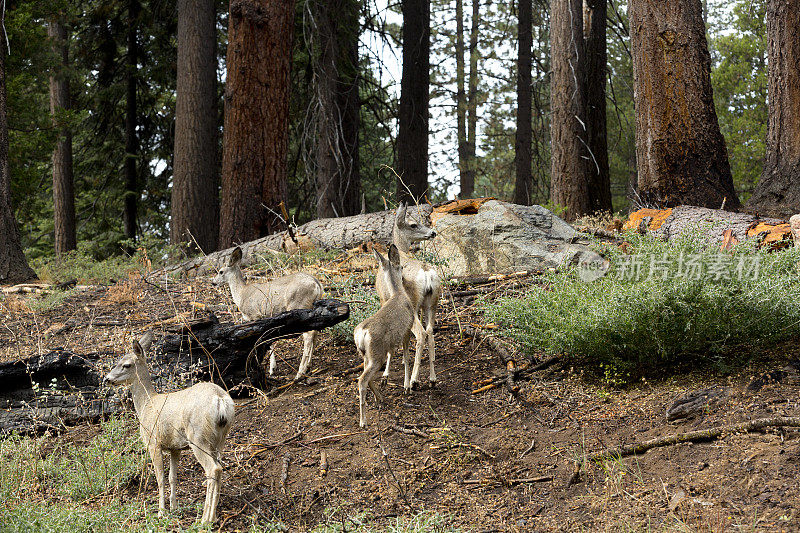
(488, 461)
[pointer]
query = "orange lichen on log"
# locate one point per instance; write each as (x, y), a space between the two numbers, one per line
(658, 216)
(468, 206)
(775, 235)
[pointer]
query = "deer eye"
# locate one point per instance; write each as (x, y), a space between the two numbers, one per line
(413, 225)
(126, 365)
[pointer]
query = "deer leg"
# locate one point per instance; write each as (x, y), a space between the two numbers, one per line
(309, 339)
(158, 466)
(272, 363)
(419, 335)
(213, 471)
(386, 370)
(174, 455)
(430, 312)
(408, 380)
(362, 393)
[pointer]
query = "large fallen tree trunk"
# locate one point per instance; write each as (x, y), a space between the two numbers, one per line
(710, 225)
(326, 233)
(62, 388)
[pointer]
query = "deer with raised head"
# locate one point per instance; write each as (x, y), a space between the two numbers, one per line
(197, 418)
(424, 290)
(286, 293)
(384, 331)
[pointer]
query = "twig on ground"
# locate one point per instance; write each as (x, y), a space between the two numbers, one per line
(691, 436)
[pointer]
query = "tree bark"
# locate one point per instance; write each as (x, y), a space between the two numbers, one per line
(63, 188)
(472, 102)
(461, 105)
(524, 135)
(195, 185)
(13, 266)
(412, 138)
(778, 191)
(336, 82)
(256, 133)
(131, 143)
(680, 152)
(570, 160)
(594, 23)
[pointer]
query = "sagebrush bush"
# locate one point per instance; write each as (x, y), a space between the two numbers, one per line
(637, 324)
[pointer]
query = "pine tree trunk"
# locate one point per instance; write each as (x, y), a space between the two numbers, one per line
(524, 136)
(256, 133)
(131, 143)
(195, 185)
(680, 152)
(412, 138)
(778, 191)
(461, 104)
(13, 266)
(594, 24)
(337, 107)
(570, 160)
(472, 103)
(63, 188)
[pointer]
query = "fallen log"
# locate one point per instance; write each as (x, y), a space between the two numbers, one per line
(230, 354)
(326, 233)
(711, 225)
(52, 390)
(691, 436)
(63, 388)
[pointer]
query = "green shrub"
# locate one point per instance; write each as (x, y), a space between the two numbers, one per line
(363, 302)
(690, 302)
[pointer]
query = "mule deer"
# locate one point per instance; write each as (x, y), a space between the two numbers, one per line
(257, 300)
(197, 418)
(794, 224)
(387, 329)
(424, 290)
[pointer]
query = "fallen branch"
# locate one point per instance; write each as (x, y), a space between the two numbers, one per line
(410, 431)
(692, 436)
(478, 280)
(287, 458)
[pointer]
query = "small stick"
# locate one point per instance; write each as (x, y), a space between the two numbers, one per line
(464, 445)
(323, 462)
(410, 431)
(285, 472)
(328, 437)
(528, 449)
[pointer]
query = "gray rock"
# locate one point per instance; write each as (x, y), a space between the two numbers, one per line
(504, 237)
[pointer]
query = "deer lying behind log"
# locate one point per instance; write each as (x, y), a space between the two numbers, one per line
(390, 327)
(198, 418)
(286, 293)
(424, 290)
(794, 223)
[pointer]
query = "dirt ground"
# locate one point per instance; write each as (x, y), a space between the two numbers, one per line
(488, 461)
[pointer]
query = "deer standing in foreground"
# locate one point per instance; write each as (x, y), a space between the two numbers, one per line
(384, 331)
(198, 418)
(424, 290)
(286, 293)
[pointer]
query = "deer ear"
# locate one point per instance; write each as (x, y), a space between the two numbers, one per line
(138, 350)
(400, 216)
(394, 255)
(378, 256)
(236, 256)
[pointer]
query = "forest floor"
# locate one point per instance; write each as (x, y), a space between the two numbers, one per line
(486, 461)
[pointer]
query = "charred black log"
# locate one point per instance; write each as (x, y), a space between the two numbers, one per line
(231, 354)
